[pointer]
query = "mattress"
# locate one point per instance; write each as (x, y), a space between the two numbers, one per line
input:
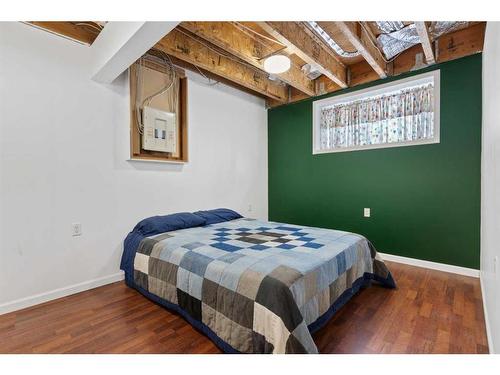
(253, 286)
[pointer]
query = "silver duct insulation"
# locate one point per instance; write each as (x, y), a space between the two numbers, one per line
(436, 29)
(397, 41)
(390, 26)
(324, 35)
(396, 37)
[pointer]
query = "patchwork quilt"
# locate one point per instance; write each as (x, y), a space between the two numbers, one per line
(254, 286)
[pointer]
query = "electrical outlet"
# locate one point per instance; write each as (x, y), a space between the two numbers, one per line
(495, 265)
(250, 208)
(367, 212)
(76, 229)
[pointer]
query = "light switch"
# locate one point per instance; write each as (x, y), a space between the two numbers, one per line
(366, 212)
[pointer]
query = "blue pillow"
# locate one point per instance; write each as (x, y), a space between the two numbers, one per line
(160, 224)
(218, 215)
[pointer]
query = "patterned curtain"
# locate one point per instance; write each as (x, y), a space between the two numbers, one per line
(402, 116)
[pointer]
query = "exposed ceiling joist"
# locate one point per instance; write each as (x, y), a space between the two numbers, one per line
(232, 52)
(120, 44)
(188, 48)
(426, 42)
(299, 41)
(68, 30)
(461, 43)
(229, 37)
(361, 40)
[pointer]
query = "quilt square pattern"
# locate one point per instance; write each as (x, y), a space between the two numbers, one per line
(257, 285)
(260, 238)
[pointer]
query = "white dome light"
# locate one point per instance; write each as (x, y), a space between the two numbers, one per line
(277, 64)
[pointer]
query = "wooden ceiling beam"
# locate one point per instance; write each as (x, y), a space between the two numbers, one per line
(227, 36)
(358, 36)
(181, 64)
(299, 41)
(425, 40)
(189, 48)
(460, 43)
(67, 30)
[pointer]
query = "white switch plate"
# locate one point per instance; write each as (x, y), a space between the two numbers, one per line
(366, 212)
(76, 229)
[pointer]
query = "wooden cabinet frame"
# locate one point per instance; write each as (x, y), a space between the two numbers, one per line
(136, 150)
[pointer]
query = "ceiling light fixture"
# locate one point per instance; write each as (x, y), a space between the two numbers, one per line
(277, 64)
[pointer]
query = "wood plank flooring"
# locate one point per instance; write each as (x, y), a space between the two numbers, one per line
(430, 312)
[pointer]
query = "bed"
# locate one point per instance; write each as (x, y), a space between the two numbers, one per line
(251, 286)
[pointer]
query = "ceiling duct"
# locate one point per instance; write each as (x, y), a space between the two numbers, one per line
(396, 37)
(438, 28)
(397, 41)
(324, 35)
(387, 27)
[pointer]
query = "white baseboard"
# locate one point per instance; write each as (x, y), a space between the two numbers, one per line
(58, 293)
(486, 319)
(432, 265)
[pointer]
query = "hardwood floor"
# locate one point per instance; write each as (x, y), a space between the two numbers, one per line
(430, 312)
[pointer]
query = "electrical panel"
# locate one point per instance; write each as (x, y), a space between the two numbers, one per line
(160, 130)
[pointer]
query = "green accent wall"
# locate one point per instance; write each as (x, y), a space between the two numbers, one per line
(424, 200)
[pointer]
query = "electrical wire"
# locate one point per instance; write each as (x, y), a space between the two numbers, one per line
(226, 55)
(221, 53)
(173, 83)
(215, 82)
(168, 63)
(273, 52)
(91, 25)
(242, 26)
(139, 86)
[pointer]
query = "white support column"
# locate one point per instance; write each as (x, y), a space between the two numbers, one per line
(121, 43)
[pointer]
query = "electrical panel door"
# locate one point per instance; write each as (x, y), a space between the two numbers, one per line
(160, 130)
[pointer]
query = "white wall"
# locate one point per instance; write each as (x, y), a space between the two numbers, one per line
(490, 194)
(63, 149)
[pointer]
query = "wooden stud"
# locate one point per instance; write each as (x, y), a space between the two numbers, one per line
(184, 46)
(301, 42)
(227, 36)
(426, 42)
(361, 40)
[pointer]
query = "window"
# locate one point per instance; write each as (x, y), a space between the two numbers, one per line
(400, 113)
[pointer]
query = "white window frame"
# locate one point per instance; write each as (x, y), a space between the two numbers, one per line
(420, 79)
